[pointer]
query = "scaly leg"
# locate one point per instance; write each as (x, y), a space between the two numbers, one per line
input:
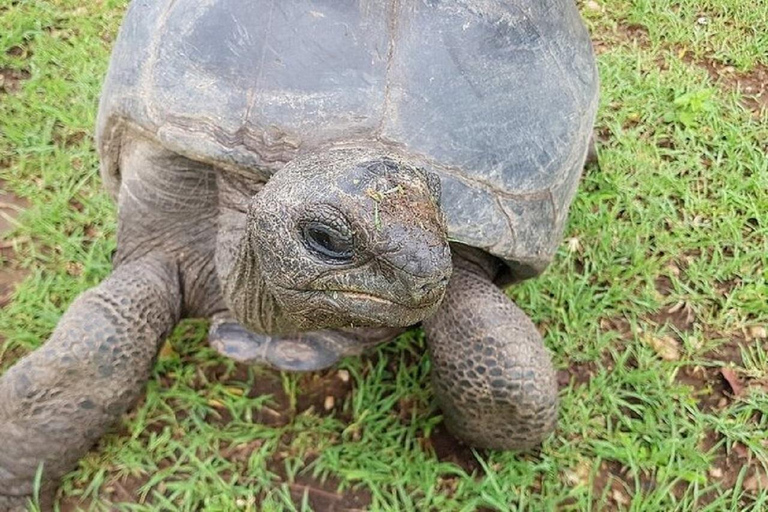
(492, 375)
(56, 402)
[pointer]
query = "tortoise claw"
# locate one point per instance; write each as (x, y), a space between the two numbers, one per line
(301, 353)
(232, 340)
(308, 352)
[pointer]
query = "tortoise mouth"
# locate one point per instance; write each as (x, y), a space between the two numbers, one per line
(367, 309)
(427, 302)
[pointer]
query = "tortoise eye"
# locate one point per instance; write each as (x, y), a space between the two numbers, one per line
(328, 242)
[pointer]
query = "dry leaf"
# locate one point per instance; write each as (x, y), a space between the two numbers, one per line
(677, 307)
(741, 450)
(234, 391)
(167, 352)
(619, 497)
(665, 346)
(578, 475)
(74, 268)
(730, 376)
(673, 269)
(574, 245)
(758, 481)
(593, 6)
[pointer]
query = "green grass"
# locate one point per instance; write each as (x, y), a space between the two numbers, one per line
(666, 250)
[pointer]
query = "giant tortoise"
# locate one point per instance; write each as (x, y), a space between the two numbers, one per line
(314, 178)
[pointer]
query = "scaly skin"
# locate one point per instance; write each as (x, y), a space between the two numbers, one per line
(389, 211)
(56, 402)
(174, 215)
(59, 400)
(197, 241)
(491, 373)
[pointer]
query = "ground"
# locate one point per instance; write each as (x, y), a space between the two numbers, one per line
(655, 308)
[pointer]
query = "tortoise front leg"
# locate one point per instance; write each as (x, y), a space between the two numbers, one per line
(301, 352)
(491, 373)
(56, 402)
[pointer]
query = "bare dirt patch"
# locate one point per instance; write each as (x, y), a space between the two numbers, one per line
(613, 479)
(125, 490)
(715, 389)
(577, 374)
(751, 85)
(11, 206)
(449, 449)
(680, 315)
(754, 88)
(11, 79)
(66, 138)
(727, 467)
(622, 34)
(709, 387)
(322, 494)
(321, 393)
(715, 386)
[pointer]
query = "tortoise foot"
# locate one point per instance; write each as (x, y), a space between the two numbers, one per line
(300, 352)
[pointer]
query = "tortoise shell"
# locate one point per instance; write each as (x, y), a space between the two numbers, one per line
(497, 97)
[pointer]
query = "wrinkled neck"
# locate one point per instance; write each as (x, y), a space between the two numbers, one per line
(246, 291)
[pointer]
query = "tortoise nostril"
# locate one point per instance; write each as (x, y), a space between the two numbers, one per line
(426, 291)
(431, 285)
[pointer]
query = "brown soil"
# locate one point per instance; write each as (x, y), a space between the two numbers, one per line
(752, 85)
(10, 79)
(577, 374)
(315, 390)
(680, 316)
(125, 490)
(10, 274)
(709, 387)
(322, 495)
(623, 33)
(66, 139)
(449, 449)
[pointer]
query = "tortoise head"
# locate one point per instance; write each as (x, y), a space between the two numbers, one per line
(340, 238)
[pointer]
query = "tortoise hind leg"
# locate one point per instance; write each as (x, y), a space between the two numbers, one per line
(303, 352)
(56, 402)
(491, 373)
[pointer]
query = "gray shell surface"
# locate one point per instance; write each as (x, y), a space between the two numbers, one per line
(498, 97)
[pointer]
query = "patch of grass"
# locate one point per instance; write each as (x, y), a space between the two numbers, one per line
(661, 282)
(732, 32)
